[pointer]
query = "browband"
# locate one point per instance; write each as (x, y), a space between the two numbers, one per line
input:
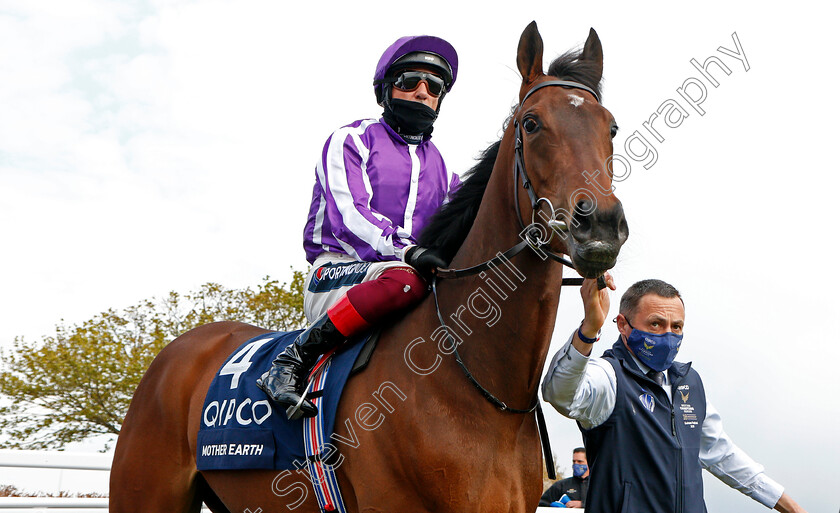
(562, 83)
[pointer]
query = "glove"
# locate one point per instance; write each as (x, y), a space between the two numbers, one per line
(425, 260)
(561, 502)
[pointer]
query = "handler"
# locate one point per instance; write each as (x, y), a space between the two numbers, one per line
(647, 432)
(376, 185)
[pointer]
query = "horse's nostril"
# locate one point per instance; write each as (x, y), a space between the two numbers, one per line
(582, 222)
(583, 207)
(599, 225)
(623, 229)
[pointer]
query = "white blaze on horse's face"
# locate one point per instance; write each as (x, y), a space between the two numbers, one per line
(575, 100)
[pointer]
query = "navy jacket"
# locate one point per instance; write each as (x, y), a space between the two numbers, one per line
(573, 487)
(645, 457)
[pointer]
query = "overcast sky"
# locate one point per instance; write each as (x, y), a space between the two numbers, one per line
(155, 146)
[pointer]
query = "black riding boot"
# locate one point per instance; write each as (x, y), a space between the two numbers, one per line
(285, 381)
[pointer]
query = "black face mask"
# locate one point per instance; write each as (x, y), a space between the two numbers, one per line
(410, 119)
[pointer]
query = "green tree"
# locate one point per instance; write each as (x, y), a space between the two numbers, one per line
(78, 383)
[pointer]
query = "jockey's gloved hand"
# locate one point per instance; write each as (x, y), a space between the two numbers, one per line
(425, 260)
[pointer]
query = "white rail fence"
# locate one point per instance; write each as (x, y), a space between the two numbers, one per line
(58, 460)
(55, 460)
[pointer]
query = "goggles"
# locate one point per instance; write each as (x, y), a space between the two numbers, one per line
(410, 80)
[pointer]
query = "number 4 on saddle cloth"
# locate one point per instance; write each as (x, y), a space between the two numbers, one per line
(242, 429)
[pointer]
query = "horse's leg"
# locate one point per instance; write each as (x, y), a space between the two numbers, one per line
(154, 462)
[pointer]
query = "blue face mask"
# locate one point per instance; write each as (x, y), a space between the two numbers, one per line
(579, 470)
(657, 351)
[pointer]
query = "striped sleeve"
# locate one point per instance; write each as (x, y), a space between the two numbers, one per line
(361, 231)
(454, 185)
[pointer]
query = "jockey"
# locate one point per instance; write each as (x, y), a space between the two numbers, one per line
(376, 185)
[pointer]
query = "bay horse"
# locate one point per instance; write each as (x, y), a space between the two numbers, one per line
(412, 431)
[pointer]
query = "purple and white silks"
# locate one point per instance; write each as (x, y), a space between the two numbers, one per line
(373, 193)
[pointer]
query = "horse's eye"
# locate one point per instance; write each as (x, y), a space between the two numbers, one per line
(613, 130)
(530, 125)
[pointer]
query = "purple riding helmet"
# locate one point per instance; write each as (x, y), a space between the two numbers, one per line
(411, 51)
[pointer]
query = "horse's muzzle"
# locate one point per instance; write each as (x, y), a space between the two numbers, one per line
(597, 237)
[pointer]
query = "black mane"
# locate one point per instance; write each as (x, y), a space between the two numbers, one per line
(569, 67)
(449, 226)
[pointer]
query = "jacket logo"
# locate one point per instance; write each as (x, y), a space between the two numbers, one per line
(684, 391)
(647, 401)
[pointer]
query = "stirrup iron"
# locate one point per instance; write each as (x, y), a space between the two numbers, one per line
(294, 412)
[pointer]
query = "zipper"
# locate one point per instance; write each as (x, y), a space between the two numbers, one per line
(679, 504)
(673, 422)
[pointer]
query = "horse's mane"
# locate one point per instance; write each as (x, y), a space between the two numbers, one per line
(448, 227)
(569, 67)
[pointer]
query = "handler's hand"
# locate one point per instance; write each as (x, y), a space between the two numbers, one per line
(787, 505)
(596, 305)
(574, 504)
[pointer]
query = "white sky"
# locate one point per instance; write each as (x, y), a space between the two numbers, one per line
(155, 146)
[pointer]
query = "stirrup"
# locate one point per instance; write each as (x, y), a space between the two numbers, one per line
(294, 412)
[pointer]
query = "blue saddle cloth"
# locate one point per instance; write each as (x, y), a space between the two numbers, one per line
(242, 429)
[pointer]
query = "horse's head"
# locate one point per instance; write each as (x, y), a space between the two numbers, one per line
(566, 148)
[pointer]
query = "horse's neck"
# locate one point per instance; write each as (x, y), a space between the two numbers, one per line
(513, 307)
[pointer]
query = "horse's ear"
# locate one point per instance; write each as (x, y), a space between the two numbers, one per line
(593, 52)
(529, 55)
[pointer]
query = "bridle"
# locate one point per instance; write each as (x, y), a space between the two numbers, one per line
(531, 238)
(554, 224)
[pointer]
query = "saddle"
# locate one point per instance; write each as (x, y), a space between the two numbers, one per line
(242, 429)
